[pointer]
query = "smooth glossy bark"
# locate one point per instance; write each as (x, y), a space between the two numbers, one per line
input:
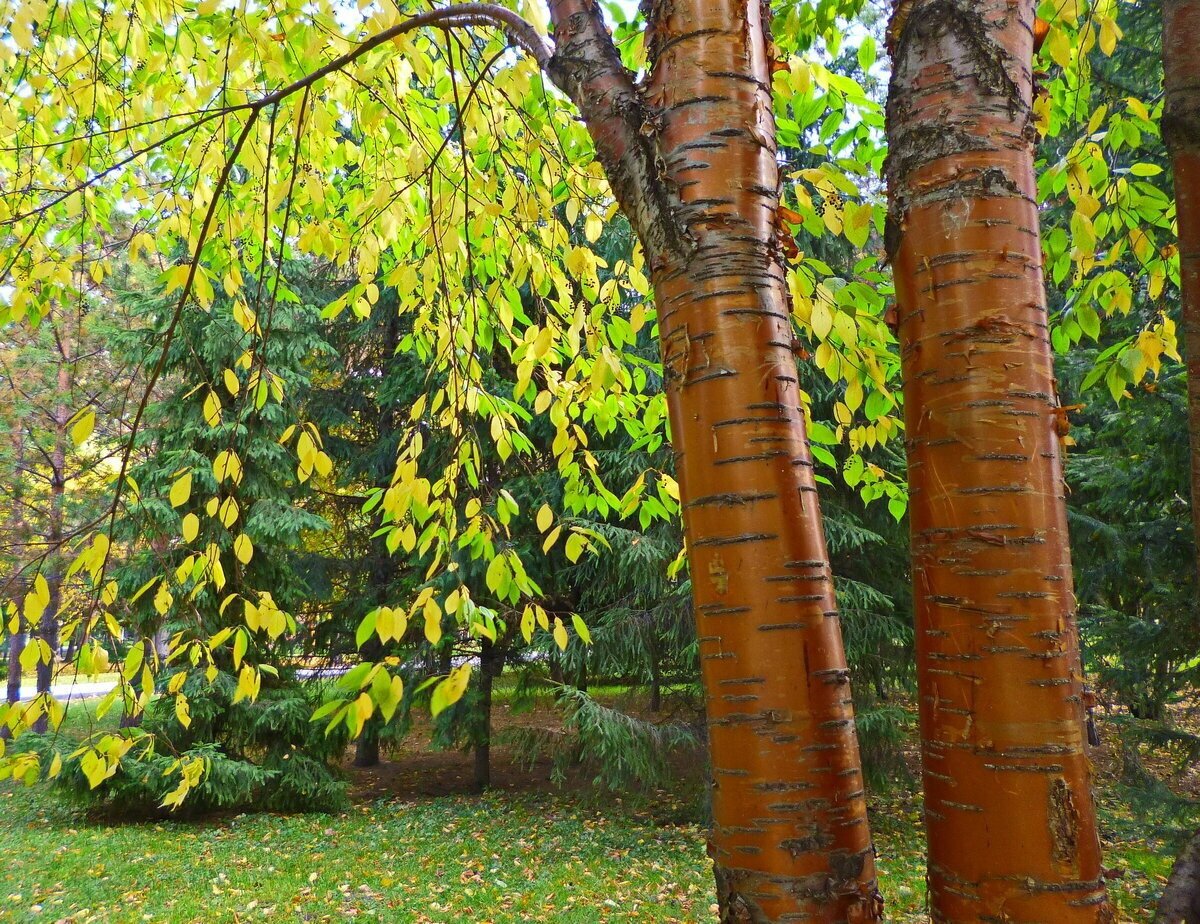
(1181, 132)
(1008, 808)
(691, 156)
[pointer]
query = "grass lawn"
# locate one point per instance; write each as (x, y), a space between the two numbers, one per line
(528, 852)
(493, 858)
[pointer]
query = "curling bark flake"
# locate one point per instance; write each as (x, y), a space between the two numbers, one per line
(1181, 132)
(691, 156)
(1008, 809)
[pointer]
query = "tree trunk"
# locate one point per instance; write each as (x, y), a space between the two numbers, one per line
(1180, 902)
(655, 677)
(47, 629)
(18, 532)
(692, 160)
(16, 644)
(1181, 132)
(366, 749)
(491, 663)
(1008, 809)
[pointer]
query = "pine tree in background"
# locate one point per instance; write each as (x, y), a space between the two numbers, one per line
(261, 752)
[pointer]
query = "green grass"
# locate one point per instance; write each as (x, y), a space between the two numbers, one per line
(497, 857)
(501, 857)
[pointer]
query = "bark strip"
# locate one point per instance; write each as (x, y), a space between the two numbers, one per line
(1008, 809)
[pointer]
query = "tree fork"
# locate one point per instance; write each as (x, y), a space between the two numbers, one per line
(1008, 809)
(691, 156)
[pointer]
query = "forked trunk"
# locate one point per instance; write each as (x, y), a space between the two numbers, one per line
(692, 159)
(1181, 132)
(1008, 810)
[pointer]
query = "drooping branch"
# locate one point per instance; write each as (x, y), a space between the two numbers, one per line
(521, 32)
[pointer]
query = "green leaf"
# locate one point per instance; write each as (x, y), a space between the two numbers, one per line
(366, 628)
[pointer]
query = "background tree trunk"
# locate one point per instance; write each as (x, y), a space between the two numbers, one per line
(1008, 810)
(655, 674)
(366, 749)
(491, 664)
(692, 159)
(1181, 133)
(17, 588)
(1180, 902)
(47, 629)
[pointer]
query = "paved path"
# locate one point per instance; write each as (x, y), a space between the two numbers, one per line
(87, 690)
(69, 690)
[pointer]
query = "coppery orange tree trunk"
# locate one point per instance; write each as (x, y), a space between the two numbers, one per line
(691, 156)
(1008, 810)
(1181, 132)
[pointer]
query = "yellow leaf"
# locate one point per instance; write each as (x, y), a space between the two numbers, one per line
(227, 465)
(37, 600)
(433, 621)
(84, 424)
(1110, 32)
(545, 516)
(560, 634)
(232, 385)
(385, 622)
(228, 512)
(821, 319)
(212, 409)
(248, 684)
(191, 527)
(243, 549)
(181, 490)
(450, 690)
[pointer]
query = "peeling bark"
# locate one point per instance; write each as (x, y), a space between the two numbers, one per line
(1181, 132)
(1008, 809)
(691, 157)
